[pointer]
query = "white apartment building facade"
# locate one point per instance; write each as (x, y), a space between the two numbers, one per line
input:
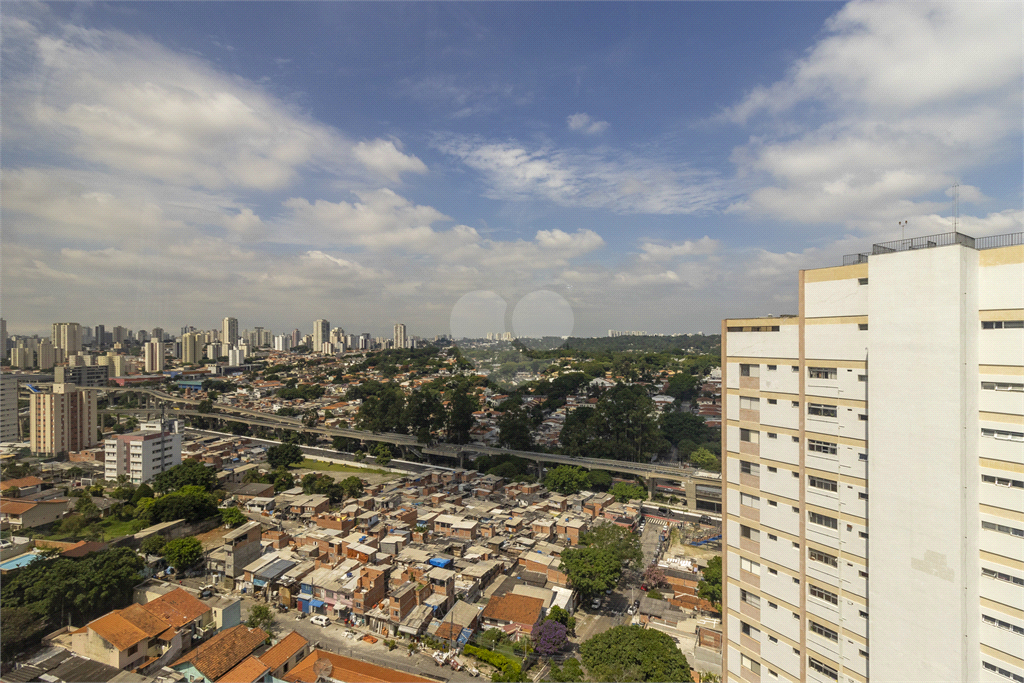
(321, 334)
(143, 454)
(874, 466)
(62, 419)
(229, 331)
(400, 339)
(154, 355)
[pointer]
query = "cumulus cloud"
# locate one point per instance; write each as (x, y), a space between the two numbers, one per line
(908, 105)
(135, 106)
(582, 123)
(659, 252)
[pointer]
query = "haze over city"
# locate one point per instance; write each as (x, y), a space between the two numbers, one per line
(649, 167)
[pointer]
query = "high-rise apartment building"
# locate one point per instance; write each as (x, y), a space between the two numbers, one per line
(143, 454)
(283, 342)
(296, 337)
(119, 334)
(191, 348)
(3, 338)
(158, 333)
(100, 337)
(62, 419)
(45, 355)
(229, 331)
(154, 355)
(67, 336)
(400, 336)
(874, 467)
(8, 408)
(321, 334)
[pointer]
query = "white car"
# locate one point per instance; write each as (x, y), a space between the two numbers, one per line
(320, 620)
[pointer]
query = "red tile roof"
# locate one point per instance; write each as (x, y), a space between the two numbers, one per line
(178, 607)
(20, 483)
(248, 670)
(517, 609)
(126, 627)
(349, 670)
(280, 653)
(224, 651)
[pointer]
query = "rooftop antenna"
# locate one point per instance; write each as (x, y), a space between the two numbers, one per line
(956, 207)
(903, 230)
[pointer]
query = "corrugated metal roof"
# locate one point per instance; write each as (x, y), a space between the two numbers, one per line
(275, 569)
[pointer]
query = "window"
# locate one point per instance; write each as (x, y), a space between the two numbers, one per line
(133, 649)
(749, 370)
(863, 534)
(749, 500)
(821, 373)
(796, 439)
(824, 631)
(747, 403)
(751, 468)
(823, 484)
(1002, 386)
(750, 664)
(822, 594)
(796, 581)
(796, 368)
(773, 572)
(1005, 625)
(822, 410)
(773, 469)
(772, 435)
(772, 537)
(863, 456)
(862, 281)
(773, 367)
(824, 558)
(773, 503)
(1003, 672)
(862, 495)
(862, 378)
(796, 404)
(750, 598)
(749, 631)
(772, 401)
(1001, 576)
(863, 614)
(1003, 529)
(863, 417)
(1002, 435)
(822, 446)
(772, 605)
(1001, 324)
(862, 326)
(749, 435)
(750, 566)
(863, 574)
(751, 534)
(822, 668)
(772, 639)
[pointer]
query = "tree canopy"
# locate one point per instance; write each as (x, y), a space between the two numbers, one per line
(284, 455)
(596, 565)
(188, 473)
(566, 479)
(549, 637)
(633, 653)
(624, 492)
(183, 553)
(710, 586)
(191, 503)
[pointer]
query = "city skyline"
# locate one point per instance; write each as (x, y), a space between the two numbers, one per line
(668, 166)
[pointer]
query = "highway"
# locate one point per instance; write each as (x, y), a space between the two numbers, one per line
(253, 417)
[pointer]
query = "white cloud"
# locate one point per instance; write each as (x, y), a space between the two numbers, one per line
(659, 252)
(582, 123)
(608, 179)
(913, 97)
(135, 106)
(383, 156)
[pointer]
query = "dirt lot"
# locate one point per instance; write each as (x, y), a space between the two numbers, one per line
(366, 475)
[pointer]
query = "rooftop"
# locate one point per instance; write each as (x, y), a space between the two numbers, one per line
(940, 240)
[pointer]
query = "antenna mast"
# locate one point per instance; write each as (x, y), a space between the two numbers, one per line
(956, 207)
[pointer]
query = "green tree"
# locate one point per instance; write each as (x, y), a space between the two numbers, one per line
(682, 386)
(566, 479)
(576, 433)
(600, 480)
(232, 517)
(633, 653)
(424, 414)
(284, 455)
(260, 616)
(205, 406)
(570, 672)
(21, 626)
(154, 545)
(283, 480)
(191, 503)
(625, 492)
(352, 486)
(188, 473)
(183, 553)
(705, 460)
(514, 430)
(460, 418)
(144, 491)
(87, 508)
(563, 617)
(144, 509)
(678, 427)
(710, 586)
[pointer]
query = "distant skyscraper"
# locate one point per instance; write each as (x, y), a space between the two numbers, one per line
(119, 334)
(191, 348)
(99, 335)
(154, 353)
(229, 331)
(67, 336)
(8, 407)
(3, 338)
(158, 333)
(321, 333)
(399, 336)
(296, 337)
(45, 356)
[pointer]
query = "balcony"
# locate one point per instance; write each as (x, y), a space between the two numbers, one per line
(751, 513)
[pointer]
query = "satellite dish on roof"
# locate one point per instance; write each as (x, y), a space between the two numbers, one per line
(322, 668)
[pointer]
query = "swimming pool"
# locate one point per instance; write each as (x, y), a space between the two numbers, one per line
(17, 562)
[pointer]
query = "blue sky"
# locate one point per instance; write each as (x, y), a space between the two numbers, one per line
(553, 167)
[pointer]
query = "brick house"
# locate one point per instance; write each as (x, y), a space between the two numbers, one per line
(514, 614)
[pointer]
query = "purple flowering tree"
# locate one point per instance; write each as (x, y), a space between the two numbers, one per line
(549, 637)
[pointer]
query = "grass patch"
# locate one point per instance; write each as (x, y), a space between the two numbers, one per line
(109, 529)
(335, 467)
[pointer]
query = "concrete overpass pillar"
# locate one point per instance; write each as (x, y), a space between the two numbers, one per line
(462, 460)
(540, 471)
(650, 488)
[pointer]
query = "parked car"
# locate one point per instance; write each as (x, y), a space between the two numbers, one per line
(595, 603)
(320, 620)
